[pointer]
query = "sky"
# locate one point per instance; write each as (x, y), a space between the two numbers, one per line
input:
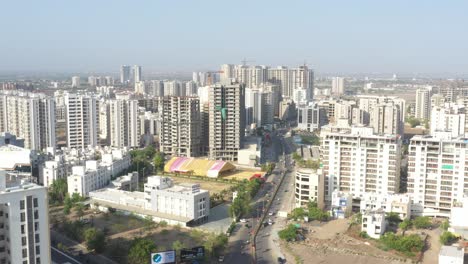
(401, 36)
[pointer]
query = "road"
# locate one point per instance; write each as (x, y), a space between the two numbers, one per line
(239, 250)
(267, 247)
(240, 242)
(59, 257)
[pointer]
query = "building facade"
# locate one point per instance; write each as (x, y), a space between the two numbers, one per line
(82, 120)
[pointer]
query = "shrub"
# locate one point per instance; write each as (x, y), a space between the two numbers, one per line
(447, 238)
(289, 233)
(422, 222)
(363, 234)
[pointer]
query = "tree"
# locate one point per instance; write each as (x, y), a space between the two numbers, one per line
(405, 225)
(393, 218)
(316, 213)
(149, 224)
(447, 238)
(422, 222)
(445, 225)
(413, 122)
(58, 190)
(95, 239)
(140, 251)
(76, 198)
(67, 205)
(177, 246)
(298, 213)
(405, 244)
(79, 209)
(289, 233)
(158, 162)
(215, 244)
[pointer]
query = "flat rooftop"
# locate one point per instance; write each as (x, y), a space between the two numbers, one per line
(451, 251)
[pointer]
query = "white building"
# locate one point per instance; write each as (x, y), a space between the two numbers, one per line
(458, 217)
(82, 120)
(76, 82)
(311, 117)
(24, 223)
(386, 119)
(300, 96)
(396, 203)
(259, 106)
(373, 223)
(127, 182)
(451, 255)
(30, 117)
(423, 104)
(448, 118)
(137, 74)
(309, 186)
(124, 74)
(187, 205)
(124, 122)
(356, 161)
(87, 178)
(437, 167)
(338, 86)
(341, 204)
(250, 154)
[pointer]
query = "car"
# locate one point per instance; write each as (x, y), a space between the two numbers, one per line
(270, 213)
(243, 220)
(221, 258)
(247, 242)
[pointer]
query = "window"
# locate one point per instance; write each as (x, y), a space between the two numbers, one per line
(38, 260)
(38, 250)
(22, 216)
(36, 214)
(36, 226)
(23, 241)
(22, 204)
(35, 201)
(22, 229)
(37, 238)
(25, 253)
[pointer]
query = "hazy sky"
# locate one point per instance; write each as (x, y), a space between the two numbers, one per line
(332, 36)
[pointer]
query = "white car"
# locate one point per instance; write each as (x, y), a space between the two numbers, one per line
(243, 220)
(270, 213)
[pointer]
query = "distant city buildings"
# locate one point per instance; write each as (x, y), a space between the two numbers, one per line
(338, 86)
(423, 104)
(124, 74)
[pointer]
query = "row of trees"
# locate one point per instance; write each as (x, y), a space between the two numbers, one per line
(312, 212)
(420, 222)
(246, 190)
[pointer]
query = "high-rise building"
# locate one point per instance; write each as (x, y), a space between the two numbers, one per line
(448, 118)
(302, 77)
(437, 173)
(137, 74)
(76, 82)
(369, 102)
(124, 74)
(125, 128)
(157, 88)
(311, 116)
(24, 224)
(227, 73)
(191, 88)
(423, 104)
(309, 187)
(259, 106)
(338, 86)
(109, 80)
(140, 88)
(385, 119)
(357, 161)
(280, 77)
(29, 116)
(180, 133)
(82, 120)
(173, 88)
(93, 81)
(226, 120)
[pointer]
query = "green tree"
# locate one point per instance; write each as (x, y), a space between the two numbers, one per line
(163, 224)
(67, 205)
(297, 213)
(76, 198)
(58, 190)
(406, 244)
(289, 233)
(393, 218)
(422, 222)
(149, 224)
(405, 225)
(177, 246)
(158, 162)
(215, 244)
(413, 122)
(95, 239)
(447, 238)
(140, 251)
(445, 225)
(79, 210)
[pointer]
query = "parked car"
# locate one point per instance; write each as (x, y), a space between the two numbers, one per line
(243, 220)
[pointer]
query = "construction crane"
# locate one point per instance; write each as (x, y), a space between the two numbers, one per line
(210, 76)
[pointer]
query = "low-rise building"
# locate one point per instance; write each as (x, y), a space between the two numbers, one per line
(308, 187)
(250, 154)
(127, 182)
(341, 204)
(184, 204)
(451, 255)
(396, 203)
(87, 178)
(458, 218)
(373, 223)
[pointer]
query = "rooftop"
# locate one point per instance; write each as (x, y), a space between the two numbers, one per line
(451, 251)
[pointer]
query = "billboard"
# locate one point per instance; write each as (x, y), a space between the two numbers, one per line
(165, 257)
(192, 253)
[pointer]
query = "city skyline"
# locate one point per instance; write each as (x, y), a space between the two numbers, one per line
(338, 37)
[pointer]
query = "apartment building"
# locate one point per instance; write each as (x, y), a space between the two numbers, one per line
(423, 103)
(87, 178)
(24, 223)
(82, 120)
(30, 117)
(389, 203)
(124, 122)
(309, 186)
(357, 161)
(373, 223)
(437, 173)
(180, 130)
(311, 116)
(226, 120)
(448, 117)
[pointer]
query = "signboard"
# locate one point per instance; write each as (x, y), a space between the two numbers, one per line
(192, 253)
(165, 257)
